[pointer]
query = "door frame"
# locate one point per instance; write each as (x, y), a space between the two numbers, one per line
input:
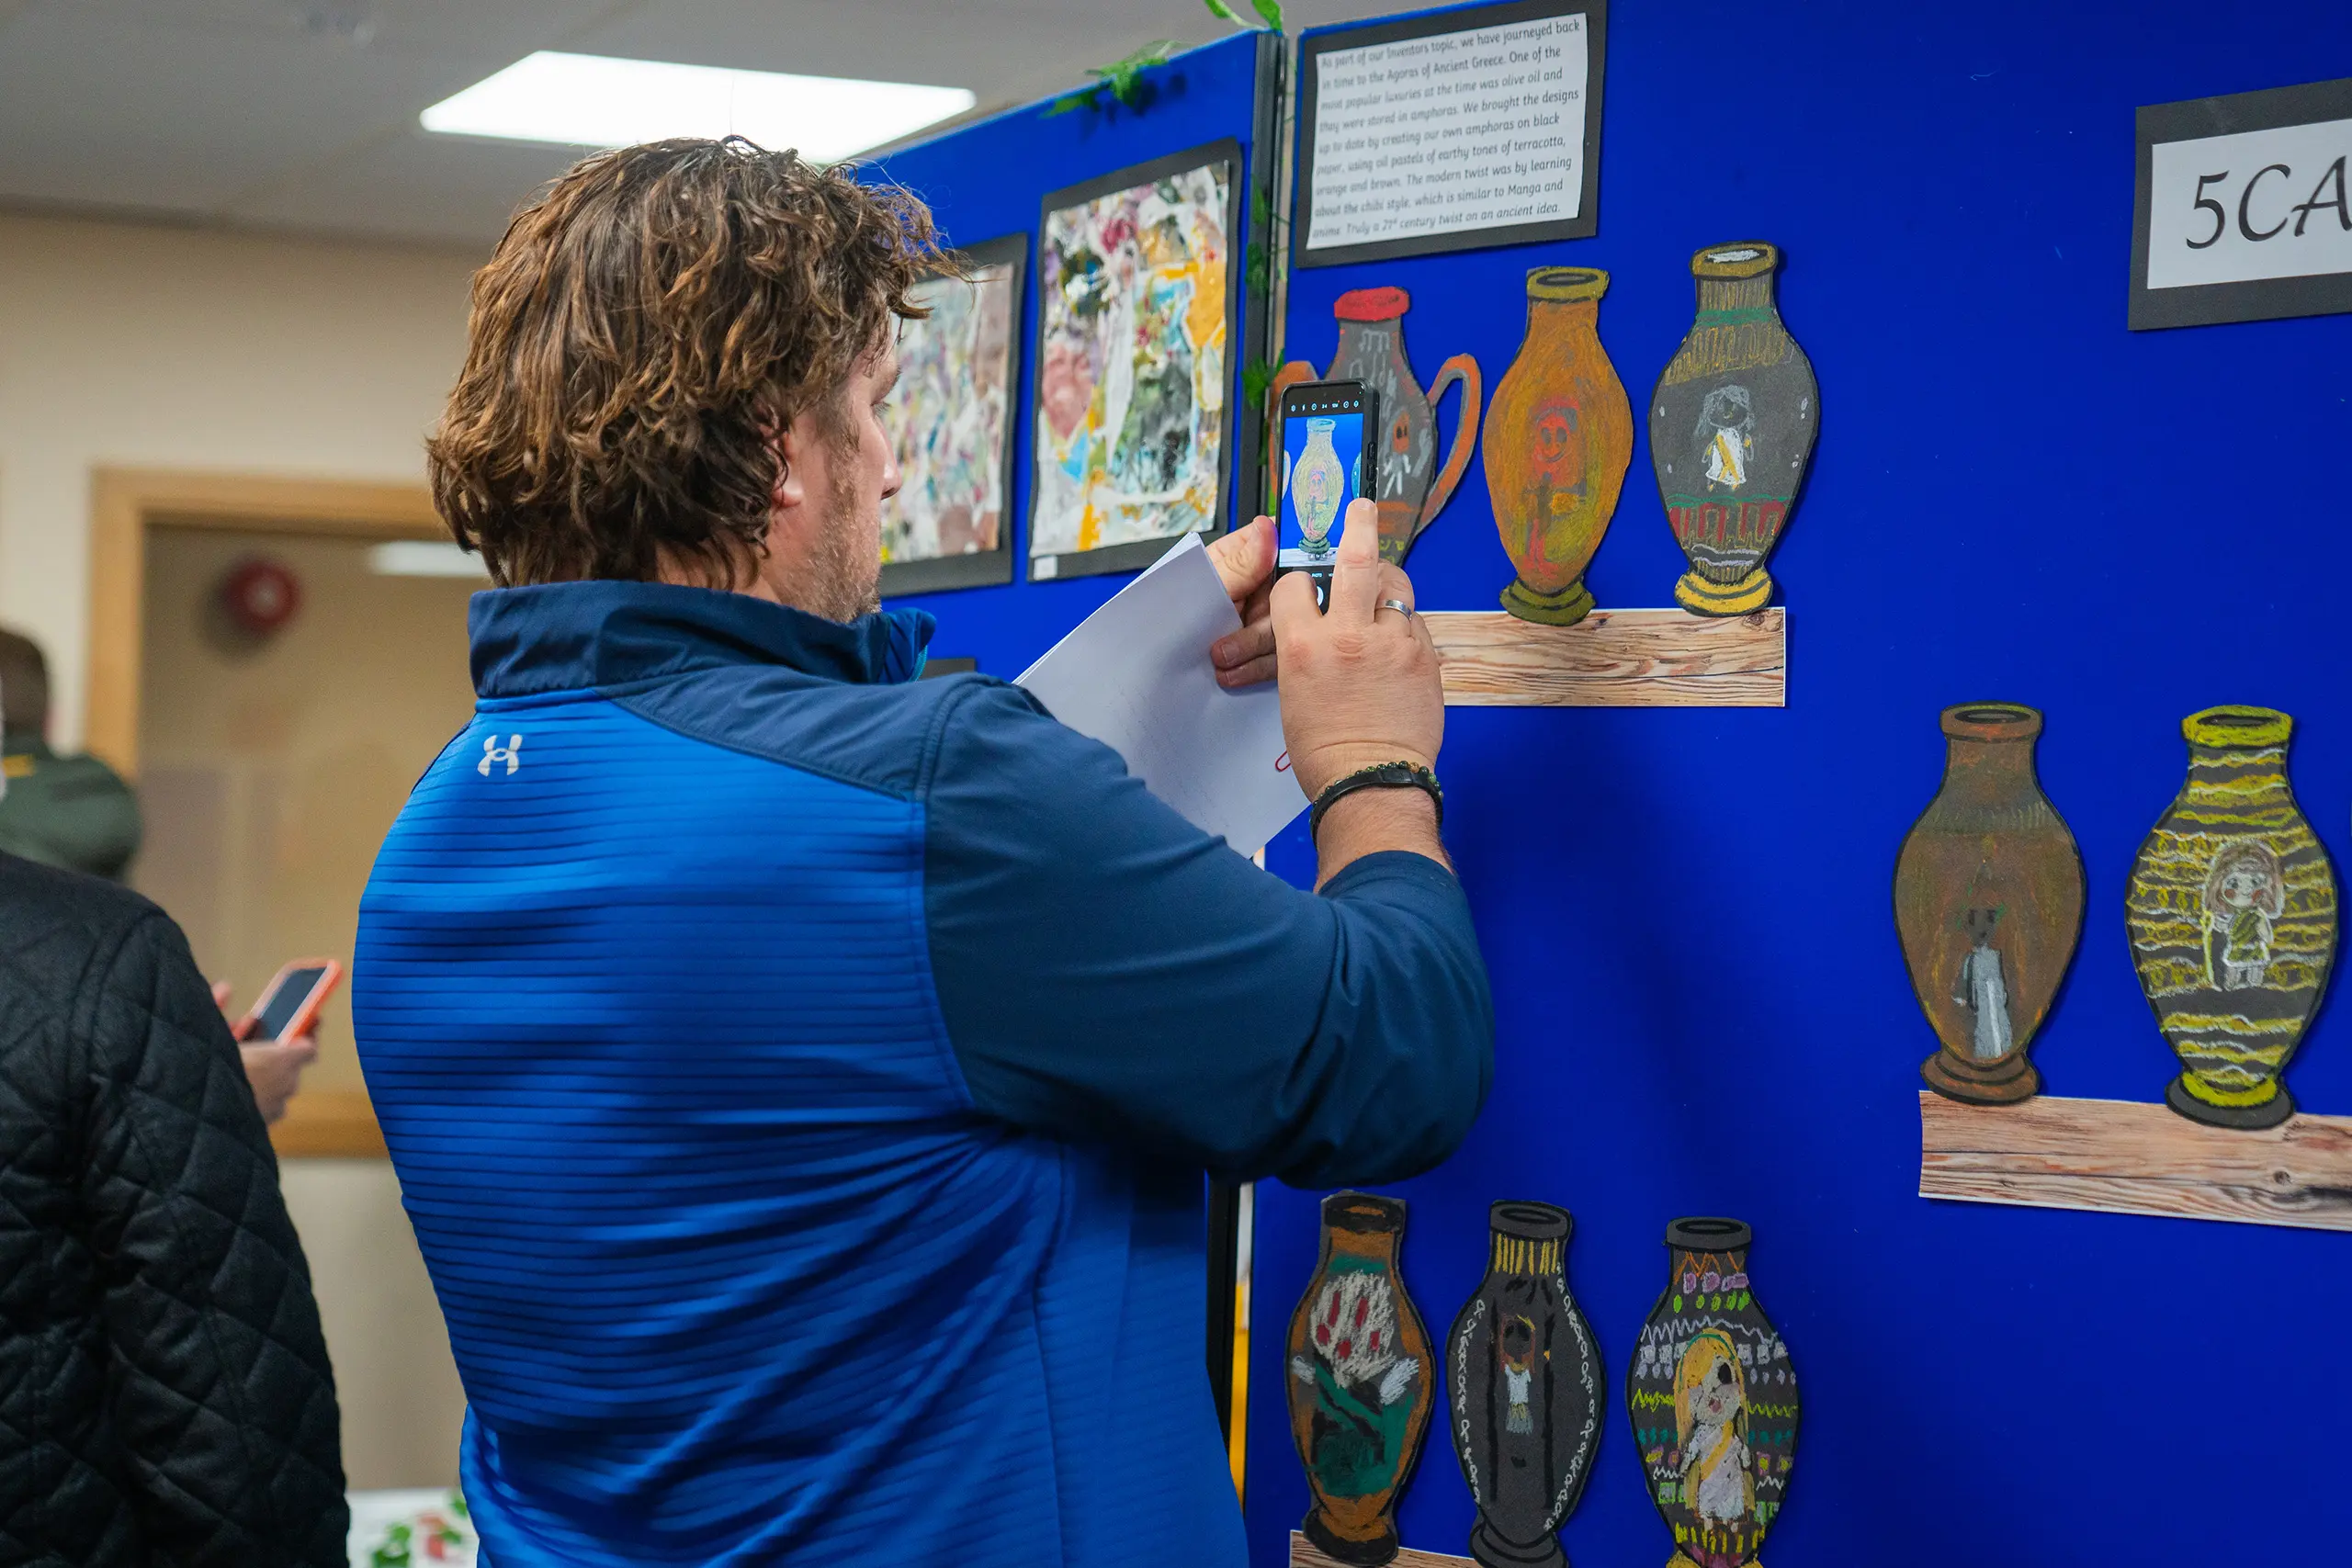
(125, 504)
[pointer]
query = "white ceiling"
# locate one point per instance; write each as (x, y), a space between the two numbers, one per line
(301, 114)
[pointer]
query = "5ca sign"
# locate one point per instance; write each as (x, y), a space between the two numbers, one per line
(2245, 208)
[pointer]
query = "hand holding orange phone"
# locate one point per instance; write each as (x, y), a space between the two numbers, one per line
(290, 1004)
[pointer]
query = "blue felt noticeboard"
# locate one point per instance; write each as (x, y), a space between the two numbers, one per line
(1701, 1006)
(987, 179)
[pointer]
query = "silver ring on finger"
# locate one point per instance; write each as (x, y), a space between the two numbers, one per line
(1400, 606)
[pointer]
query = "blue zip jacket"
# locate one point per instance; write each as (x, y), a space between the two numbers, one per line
(800, 1079)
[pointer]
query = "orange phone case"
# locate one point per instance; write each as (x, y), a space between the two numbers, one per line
(308, 1014)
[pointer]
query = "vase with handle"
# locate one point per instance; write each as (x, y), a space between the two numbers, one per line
(1732, 428)
(1559, 437)
(1413, 487)
(1713, 1399)
(2231, 909)
(1525, 1388)
(1361, 1384)
(1988, 902)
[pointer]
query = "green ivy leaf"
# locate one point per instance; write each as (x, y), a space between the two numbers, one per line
(1256, 377)
(1219, 8)
(1272, 10)
(1123, 77)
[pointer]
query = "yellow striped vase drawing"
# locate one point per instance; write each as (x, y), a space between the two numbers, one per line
(2232, 911)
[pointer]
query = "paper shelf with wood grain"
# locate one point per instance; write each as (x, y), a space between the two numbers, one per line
(1303, 1553)
(2130, 1158)
(1613, 659)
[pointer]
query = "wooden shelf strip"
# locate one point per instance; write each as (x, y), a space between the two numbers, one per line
(1613, 659)
(2122, 1156)
(1303, 1555)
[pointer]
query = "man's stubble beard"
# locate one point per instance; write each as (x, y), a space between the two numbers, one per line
(846, 565)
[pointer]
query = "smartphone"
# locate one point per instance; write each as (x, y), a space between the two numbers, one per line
(1327, 461)
(290, 1004)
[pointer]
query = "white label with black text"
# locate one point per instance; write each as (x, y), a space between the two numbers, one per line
(2256, 205)
(1476, 129)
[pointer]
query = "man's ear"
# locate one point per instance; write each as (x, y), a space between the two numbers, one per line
(789, 492)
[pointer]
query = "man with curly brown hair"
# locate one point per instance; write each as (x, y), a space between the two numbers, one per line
(802, 1078)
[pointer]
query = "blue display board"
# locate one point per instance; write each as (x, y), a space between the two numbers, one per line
(987, 179)
(1702, 1005)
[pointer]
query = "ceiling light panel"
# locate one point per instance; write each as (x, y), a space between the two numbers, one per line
(595, 100)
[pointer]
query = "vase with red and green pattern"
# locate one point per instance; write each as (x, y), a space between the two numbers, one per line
(1360, 1381)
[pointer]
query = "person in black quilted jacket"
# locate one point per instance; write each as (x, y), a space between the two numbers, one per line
(165, 1400)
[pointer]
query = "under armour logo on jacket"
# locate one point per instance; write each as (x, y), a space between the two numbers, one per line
(491, 751)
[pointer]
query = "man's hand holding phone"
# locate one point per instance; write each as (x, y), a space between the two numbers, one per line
(1359, 686)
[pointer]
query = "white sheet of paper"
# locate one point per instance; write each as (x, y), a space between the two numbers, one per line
(1135, 675)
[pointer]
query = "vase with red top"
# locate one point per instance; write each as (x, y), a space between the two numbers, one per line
(1412, 487)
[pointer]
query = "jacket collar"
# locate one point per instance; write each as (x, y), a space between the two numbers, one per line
(566, 635)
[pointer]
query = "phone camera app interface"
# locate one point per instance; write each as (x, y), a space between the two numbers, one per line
(1322, 459)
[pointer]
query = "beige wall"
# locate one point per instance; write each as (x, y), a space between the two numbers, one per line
(139, 346)
(402, 1403)
(269, 772)
(144, 346)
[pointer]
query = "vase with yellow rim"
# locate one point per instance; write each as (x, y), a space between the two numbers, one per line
(2232, 911)
(1524, 1383)
(1732, 428)
(1713, 1399)
(1559, 437)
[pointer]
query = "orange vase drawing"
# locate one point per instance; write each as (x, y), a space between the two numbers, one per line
(1559, 435)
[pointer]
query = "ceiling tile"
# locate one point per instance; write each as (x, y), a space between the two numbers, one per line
(414, 186)
(302, 113)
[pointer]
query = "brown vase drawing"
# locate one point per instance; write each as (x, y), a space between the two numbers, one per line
(1361, 1380)
(1559, 436)
(1732, 427)
(1988, 900)
(2231, 909)
(1413, 487)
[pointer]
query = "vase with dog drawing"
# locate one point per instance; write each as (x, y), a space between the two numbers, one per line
(1713, 1399)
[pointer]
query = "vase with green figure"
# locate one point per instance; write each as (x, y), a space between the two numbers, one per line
(1361, 1383)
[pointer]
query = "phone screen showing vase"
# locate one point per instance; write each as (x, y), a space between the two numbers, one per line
(1323, 468)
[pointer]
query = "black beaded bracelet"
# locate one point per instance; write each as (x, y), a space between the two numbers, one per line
(1380, 775)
